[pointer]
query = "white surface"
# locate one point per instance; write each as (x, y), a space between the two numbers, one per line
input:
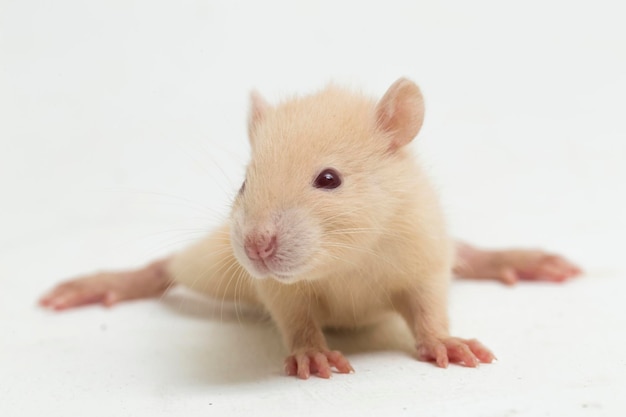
(122, 137)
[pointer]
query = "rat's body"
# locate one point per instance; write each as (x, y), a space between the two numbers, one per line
(378, 235)
(342, 253)
(336, 225)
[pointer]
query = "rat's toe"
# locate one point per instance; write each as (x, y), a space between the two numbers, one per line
(320, 366)
(433, 351)
(508, 276)
(340, 362)
(304, 366)
(481, 351)
(459, 352)
(291, 366)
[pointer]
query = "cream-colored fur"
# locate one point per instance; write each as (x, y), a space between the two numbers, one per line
(317, 252)
(345, 256)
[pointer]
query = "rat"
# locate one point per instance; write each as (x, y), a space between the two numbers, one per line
(335, 226)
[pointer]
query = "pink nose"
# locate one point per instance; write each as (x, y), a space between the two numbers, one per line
(260, 246)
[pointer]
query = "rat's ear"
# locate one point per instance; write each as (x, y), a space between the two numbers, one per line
(258, 109)
(400, 113)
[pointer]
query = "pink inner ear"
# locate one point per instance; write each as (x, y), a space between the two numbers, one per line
(400, 112)
(258, 109)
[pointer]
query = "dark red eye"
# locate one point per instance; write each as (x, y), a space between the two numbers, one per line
(328, 179)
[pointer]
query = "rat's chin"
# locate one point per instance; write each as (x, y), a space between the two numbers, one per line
(287, 279)
(261, 270)
(258, 269)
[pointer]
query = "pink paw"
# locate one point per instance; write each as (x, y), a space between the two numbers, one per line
(453, 349)
(80, 292)
(518, 265)
(109, 288)
(318, 363)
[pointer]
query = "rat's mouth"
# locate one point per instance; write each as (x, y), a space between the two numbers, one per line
(258, 268)
(266, 269)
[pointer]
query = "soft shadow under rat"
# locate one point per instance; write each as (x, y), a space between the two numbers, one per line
(247, 347)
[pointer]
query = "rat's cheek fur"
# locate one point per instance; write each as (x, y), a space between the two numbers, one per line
(236, 242)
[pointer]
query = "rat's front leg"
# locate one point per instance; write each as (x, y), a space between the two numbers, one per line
(424, 307)
(302, 334)
(310, 354)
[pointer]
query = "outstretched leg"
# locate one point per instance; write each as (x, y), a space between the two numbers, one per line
(108, 288)
(208, 267)
(510, 266)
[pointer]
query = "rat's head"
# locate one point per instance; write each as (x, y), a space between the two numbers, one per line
(324, 179)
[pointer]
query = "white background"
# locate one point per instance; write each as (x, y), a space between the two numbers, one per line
(122, 138)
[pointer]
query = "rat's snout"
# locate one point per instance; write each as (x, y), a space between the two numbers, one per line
(276, 245)
(260, 245)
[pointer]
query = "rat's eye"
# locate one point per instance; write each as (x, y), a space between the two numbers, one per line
(243, 187)
(328, 179)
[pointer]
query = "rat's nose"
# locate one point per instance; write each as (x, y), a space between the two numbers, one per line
(260, 246)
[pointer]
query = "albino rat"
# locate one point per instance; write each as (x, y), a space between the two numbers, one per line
(335, 225)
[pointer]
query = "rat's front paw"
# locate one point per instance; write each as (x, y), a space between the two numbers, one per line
(453, 349)
(320, 363)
